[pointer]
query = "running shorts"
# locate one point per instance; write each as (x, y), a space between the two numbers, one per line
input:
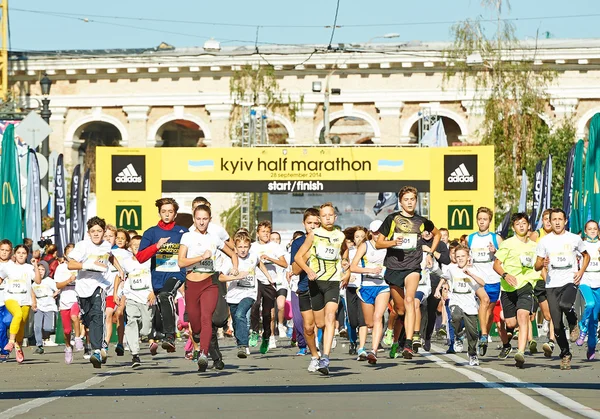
(323, 292)
(540, 291)
(304, 300)
(397, 278)
(493, 291)
(497, 312)
(110, 302)
(282, 292)
(368, 295)
(521, 299)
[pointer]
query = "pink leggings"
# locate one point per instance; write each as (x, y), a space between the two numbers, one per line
(201, 302)
(182, 324)
(66, 315)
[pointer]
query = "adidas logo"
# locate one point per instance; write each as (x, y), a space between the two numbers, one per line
(128, 175)
(460, 175)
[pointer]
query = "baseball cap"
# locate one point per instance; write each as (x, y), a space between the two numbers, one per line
(375, 225)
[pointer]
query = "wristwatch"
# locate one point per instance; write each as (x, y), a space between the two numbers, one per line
(504, 275)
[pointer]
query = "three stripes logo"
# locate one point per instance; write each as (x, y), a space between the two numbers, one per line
(460, 172)
(128, 173)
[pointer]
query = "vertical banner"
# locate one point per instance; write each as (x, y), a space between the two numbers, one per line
(33, 207)
(60, 208)
(568, 184)
(546, 200)
(592, 186)
(576, 216)
(11, 223)
(504, 226)
(537, 194)
(85, 192)
(523, 197)
(75, 210)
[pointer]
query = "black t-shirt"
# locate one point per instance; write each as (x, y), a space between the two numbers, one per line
(410, 253)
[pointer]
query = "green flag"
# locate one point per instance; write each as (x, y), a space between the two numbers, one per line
(592, 172)
(11, 226)
(576, 218)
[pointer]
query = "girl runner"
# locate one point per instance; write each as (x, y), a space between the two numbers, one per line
(44, 306)
(354, 310)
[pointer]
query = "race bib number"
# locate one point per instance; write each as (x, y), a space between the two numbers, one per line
(481, 255)
(246, 282)
(265, 261)
(461, 286)
(594, 265)
(376, 276)
(167, 263)
(205, 266)
(325, 252)
(561, 260)
(18, 286)
(527, 260)
(40, 291)
(409, 241)
(96, 263)
(140, 280)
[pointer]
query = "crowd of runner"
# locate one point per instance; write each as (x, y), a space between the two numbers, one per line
(399, 280)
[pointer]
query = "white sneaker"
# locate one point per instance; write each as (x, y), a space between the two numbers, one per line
(314, 364)
(334, 343)
(50, 342)
(473, 361)
(247, 350)
(458, 346)
(282, 331)
(25, 343)
(272, 343)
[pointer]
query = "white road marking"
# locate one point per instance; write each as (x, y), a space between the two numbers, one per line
(32, 404)
(524, 399)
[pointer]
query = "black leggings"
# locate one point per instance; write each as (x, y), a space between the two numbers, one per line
(432, 306)
(165, 318)
(267, 294)
(560, 301)
(356, 317)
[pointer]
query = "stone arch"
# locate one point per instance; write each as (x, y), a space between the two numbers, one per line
(286, 123)
(583, 123)
(548, 121)
(454, 116)
(76, 127)
(153, 133)
(354, 113)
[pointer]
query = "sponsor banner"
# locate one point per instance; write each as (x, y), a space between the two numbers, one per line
(10, 208)
(60, 208)
(537, 194)
(460, 172)
(33, 207)
(75, 214)
(568, 185)
(85, 192)
(460, 217)
(128, 173)
(129, 217)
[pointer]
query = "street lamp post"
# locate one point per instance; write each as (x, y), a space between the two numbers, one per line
(45, 113)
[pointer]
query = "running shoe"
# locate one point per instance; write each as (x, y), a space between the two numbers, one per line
(9, 347)
(104, 355)
(264, 346)
(548, 348)
(282, 331)
(591, 354)
(135, 361)
(427, 345)
(352, 350)
(388, 338)
(473, 361)
(442, 332)
(450, 350)
(247, 351)
(574, 333)
(153, 348)
(218, 365)
(272, 343)
(372, 358)
(324, 366)
(482, 345)
(581, 339)
(394, 350)
(519, 359)
(168, 344)
(79, 345)
(19, 355)
(290, 332)
(3, 358)
(362, 355)
(229, 333)
(505, 352)
(343, 333)
(253, 339)
(96, 359)
(242, 352)
(302, 352)
(39, 350)
(313, 365)
(533, 347)
(407, 352)
(416, 342)
(119, 349)
(68, 355)
(458, 346)
(565, 362)
(516, 335)
(202, 362)
(189, 355)
(87, 352)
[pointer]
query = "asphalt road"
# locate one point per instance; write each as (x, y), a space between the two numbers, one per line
(278, 384)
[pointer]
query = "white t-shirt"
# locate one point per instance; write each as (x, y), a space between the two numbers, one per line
(3, 284)
(220, 233)
(17, 282)
(482, 258)
(561, 250)
(272, 250)
(138, 284)
(280, 279)
(591, 276)
(68, 296)
(373, 258)
(91, 276)
(462, 290)
(121, 255)
(44, 295)
(197, 244)
(248, 287)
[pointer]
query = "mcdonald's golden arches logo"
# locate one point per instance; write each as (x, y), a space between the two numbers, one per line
(460, 217)
(8, 198)
(129, 217)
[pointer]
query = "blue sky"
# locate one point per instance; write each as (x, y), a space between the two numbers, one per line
(45, 30)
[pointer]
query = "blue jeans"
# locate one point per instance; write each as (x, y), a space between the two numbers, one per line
(589, 320)
(451, 331)
(239, 316)
(5, 319)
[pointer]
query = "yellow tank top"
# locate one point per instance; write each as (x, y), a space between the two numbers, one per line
(325, 254)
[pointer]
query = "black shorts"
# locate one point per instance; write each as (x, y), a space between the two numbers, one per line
(521, 299)
(304, 300)
(323, 292)
(540, 291)
(282, 292)
(397, 278)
